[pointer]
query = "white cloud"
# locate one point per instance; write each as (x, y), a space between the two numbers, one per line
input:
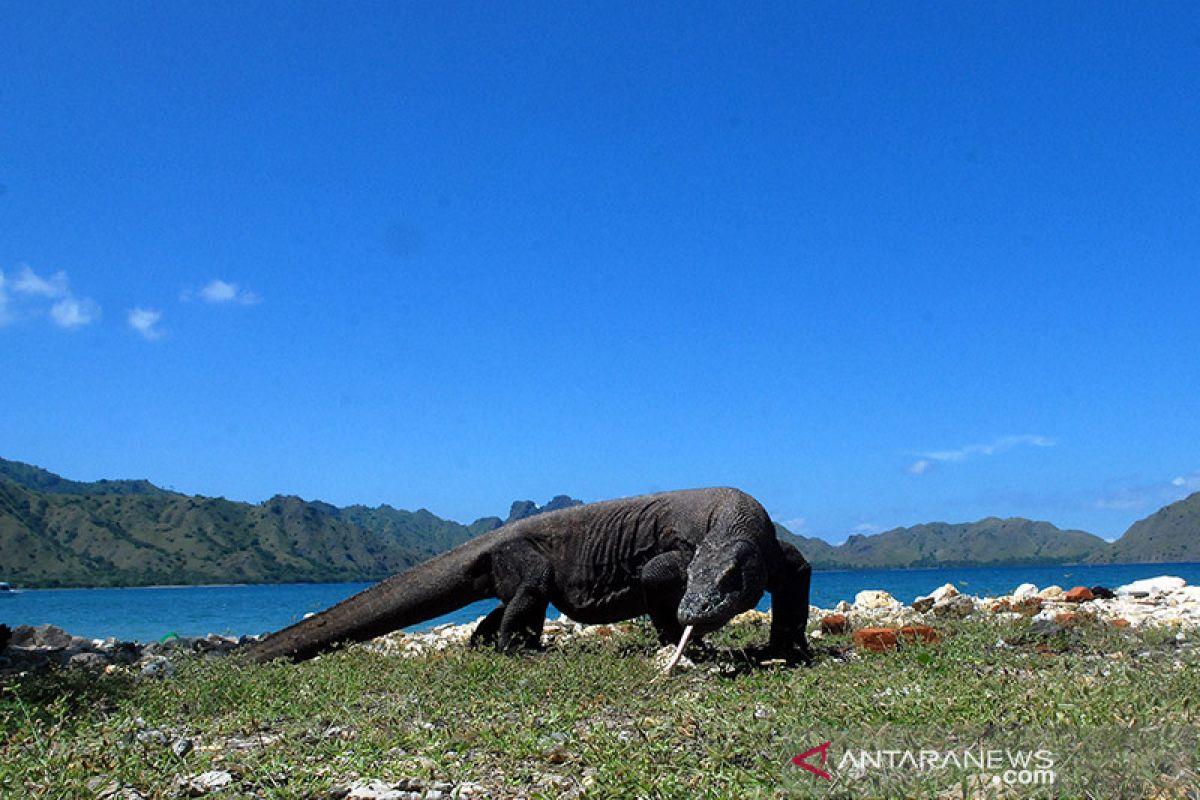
(931, 459)
(795, 525)
(30, 283)
(920, 466)
(27, 293)
(145, 321)
(71, 312)
(219, 291)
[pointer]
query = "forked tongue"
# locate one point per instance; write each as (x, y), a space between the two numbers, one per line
(678, 654)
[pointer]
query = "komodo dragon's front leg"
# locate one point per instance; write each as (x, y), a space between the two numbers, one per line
(788, 585)
(664, 580)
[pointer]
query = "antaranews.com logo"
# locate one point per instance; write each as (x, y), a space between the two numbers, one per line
(990, 765)
(1011, 762)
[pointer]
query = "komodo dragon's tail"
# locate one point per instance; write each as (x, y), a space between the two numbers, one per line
(430, 589)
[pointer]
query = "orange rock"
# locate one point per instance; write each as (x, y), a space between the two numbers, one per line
(877, 640)
(1001, 605)
(1065, 618)
(1120, 622)
(834, 624)
(1080, 594)
(919, 633)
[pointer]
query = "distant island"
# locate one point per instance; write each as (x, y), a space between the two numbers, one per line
(56, 532)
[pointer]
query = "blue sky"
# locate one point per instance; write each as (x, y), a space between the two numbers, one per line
(877, 264)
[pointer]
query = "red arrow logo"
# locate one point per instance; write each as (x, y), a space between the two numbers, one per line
(802, 760)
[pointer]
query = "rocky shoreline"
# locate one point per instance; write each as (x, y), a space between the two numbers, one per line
(875, 618)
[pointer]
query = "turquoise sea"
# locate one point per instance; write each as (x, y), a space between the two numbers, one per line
(147, 614)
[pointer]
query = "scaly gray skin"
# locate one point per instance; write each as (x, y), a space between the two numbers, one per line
(697, 557)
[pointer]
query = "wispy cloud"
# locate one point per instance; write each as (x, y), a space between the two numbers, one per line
(931, 459)
(795, 525)
(146, 322)
(27, 292)
(30, 283)
(218, 292)
(1151, 495)
(72, 312)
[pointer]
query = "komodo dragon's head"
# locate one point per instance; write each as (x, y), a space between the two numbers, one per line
(725, 578)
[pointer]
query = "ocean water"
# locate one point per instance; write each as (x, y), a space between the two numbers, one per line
(147, 614)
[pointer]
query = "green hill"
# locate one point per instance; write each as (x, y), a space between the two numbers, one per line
(420, 531)
(1169, 534)
(42, 480)
(59, 532)
(991, 542)
(131, 540)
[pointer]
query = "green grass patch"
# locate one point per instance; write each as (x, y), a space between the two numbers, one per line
(592, 718)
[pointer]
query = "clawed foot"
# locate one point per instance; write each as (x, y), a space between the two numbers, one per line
(791, 654)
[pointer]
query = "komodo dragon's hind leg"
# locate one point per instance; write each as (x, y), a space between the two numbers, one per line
(488, 630)
(524, 619)
(522, 577)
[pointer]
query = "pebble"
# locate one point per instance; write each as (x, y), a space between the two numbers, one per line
(205, 783)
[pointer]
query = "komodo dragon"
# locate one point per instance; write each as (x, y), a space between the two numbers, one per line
(696, 557)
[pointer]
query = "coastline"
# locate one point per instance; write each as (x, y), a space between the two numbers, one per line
(816, 570)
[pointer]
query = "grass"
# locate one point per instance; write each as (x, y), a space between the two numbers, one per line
(594, 719)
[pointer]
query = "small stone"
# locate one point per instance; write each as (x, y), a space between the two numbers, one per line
(1119, 622)
(182, 746)
(153, 736)
(373, 790)
(1066, 618)
(877, 640)
(1102, 593)
(955, 606)
(1080, 594)
(1051, 593)
(159, 667)
(923, 604)
(94, 661)
(752, 617)
(206, 783)
(1025, 590)
(875, 598)
(834, 624)
(944, 591)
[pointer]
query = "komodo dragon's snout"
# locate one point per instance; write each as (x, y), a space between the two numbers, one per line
(722, 583)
